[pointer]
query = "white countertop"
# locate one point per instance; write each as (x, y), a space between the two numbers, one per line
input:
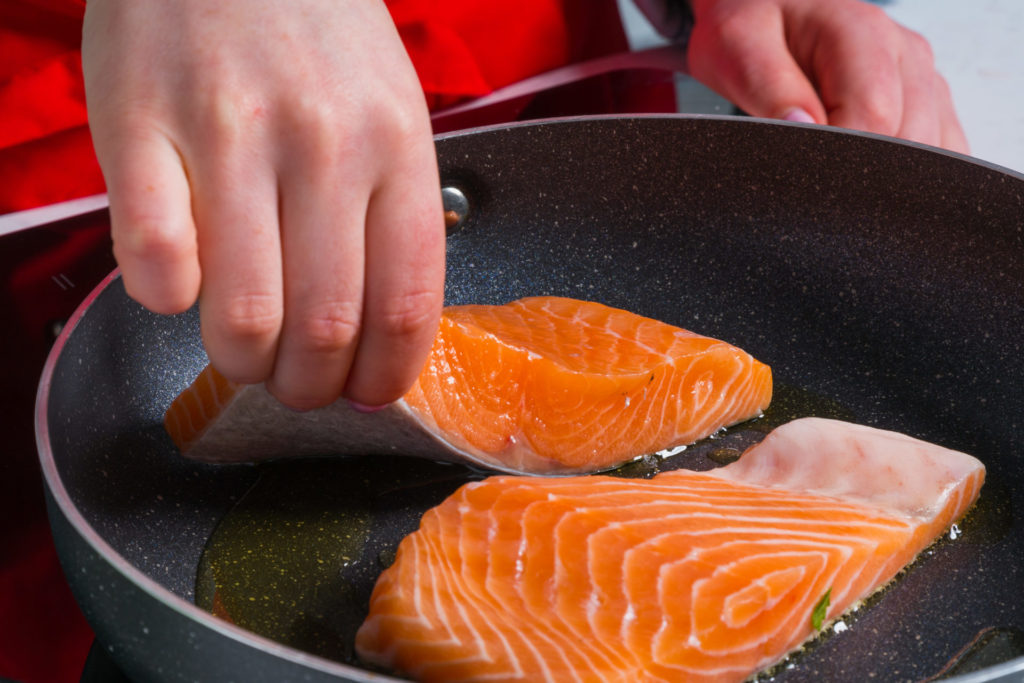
(979, 48)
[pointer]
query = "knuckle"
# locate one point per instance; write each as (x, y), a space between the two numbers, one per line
(876, 22)
(329, 327)
(229, 116)
(730, 30)
(870, 15)
(313, 126)
(879, 114)
(409, 315)
(404, 126)
(151, 238)
(310, 110)
(720, 46)
(395, 117)
(250, 317)
(125, 119)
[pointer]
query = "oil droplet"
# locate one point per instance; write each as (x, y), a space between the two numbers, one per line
(386, 557)
(643, 467)
(724, 456)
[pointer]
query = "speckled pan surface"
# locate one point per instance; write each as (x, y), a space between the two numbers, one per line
(883, 282)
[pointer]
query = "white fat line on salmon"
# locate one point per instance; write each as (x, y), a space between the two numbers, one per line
(758, 517)
(453, 589)
(717, 499)
(758, 520)
(541, 629)
(758, 524)
(794, 634)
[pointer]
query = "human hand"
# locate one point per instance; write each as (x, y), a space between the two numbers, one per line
(842, 62)
(275, 160)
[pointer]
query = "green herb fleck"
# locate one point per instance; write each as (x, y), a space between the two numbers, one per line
(818, 615)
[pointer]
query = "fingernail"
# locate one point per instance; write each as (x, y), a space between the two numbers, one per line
(798, 115)
(363, 408)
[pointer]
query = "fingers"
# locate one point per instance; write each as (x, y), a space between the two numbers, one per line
(151, 223)
(858, 72)
(322, 215)
(405, 246)
(951, 132)
(844, 62)
(364, 270)
(740, 51)
(880, 77)
(241, 302)
(921, 115)
(152, 227)
(877, 76)
(249, 155)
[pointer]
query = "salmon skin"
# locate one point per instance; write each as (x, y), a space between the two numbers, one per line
(688, 576)
(542, 385)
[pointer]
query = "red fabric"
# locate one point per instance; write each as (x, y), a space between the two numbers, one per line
(44, 635)
(461, 49)
(45, 156)
(45, 152)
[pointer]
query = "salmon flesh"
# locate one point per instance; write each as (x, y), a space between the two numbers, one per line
(688, 576)
(543, 385)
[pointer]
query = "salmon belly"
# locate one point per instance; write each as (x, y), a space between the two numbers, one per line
(542, 385)
(687, 576)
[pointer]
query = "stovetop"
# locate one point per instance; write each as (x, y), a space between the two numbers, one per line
(45, 272)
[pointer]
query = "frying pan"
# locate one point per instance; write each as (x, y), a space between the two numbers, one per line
(883, 282)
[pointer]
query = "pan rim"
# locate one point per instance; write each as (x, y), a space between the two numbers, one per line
(104, 550)
(740, 120)
(189, 610)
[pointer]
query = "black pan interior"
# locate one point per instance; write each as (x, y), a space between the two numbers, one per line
(883, 283)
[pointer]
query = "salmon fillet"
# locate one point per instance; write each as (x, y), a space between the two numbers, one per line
(687, 576)
(542, 385)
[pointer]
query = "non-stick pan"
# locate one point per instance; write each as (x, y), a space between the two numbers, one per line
(882, 281)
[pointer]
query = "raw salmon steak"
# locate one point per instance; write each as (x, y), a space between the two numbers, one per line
(688, 576)
(541, 385)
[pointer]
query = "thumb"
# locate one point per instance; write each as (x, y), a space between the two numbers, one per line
(742, 54)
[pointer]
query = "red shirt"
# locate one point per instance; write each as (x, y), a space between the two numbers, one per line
(460, 48)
